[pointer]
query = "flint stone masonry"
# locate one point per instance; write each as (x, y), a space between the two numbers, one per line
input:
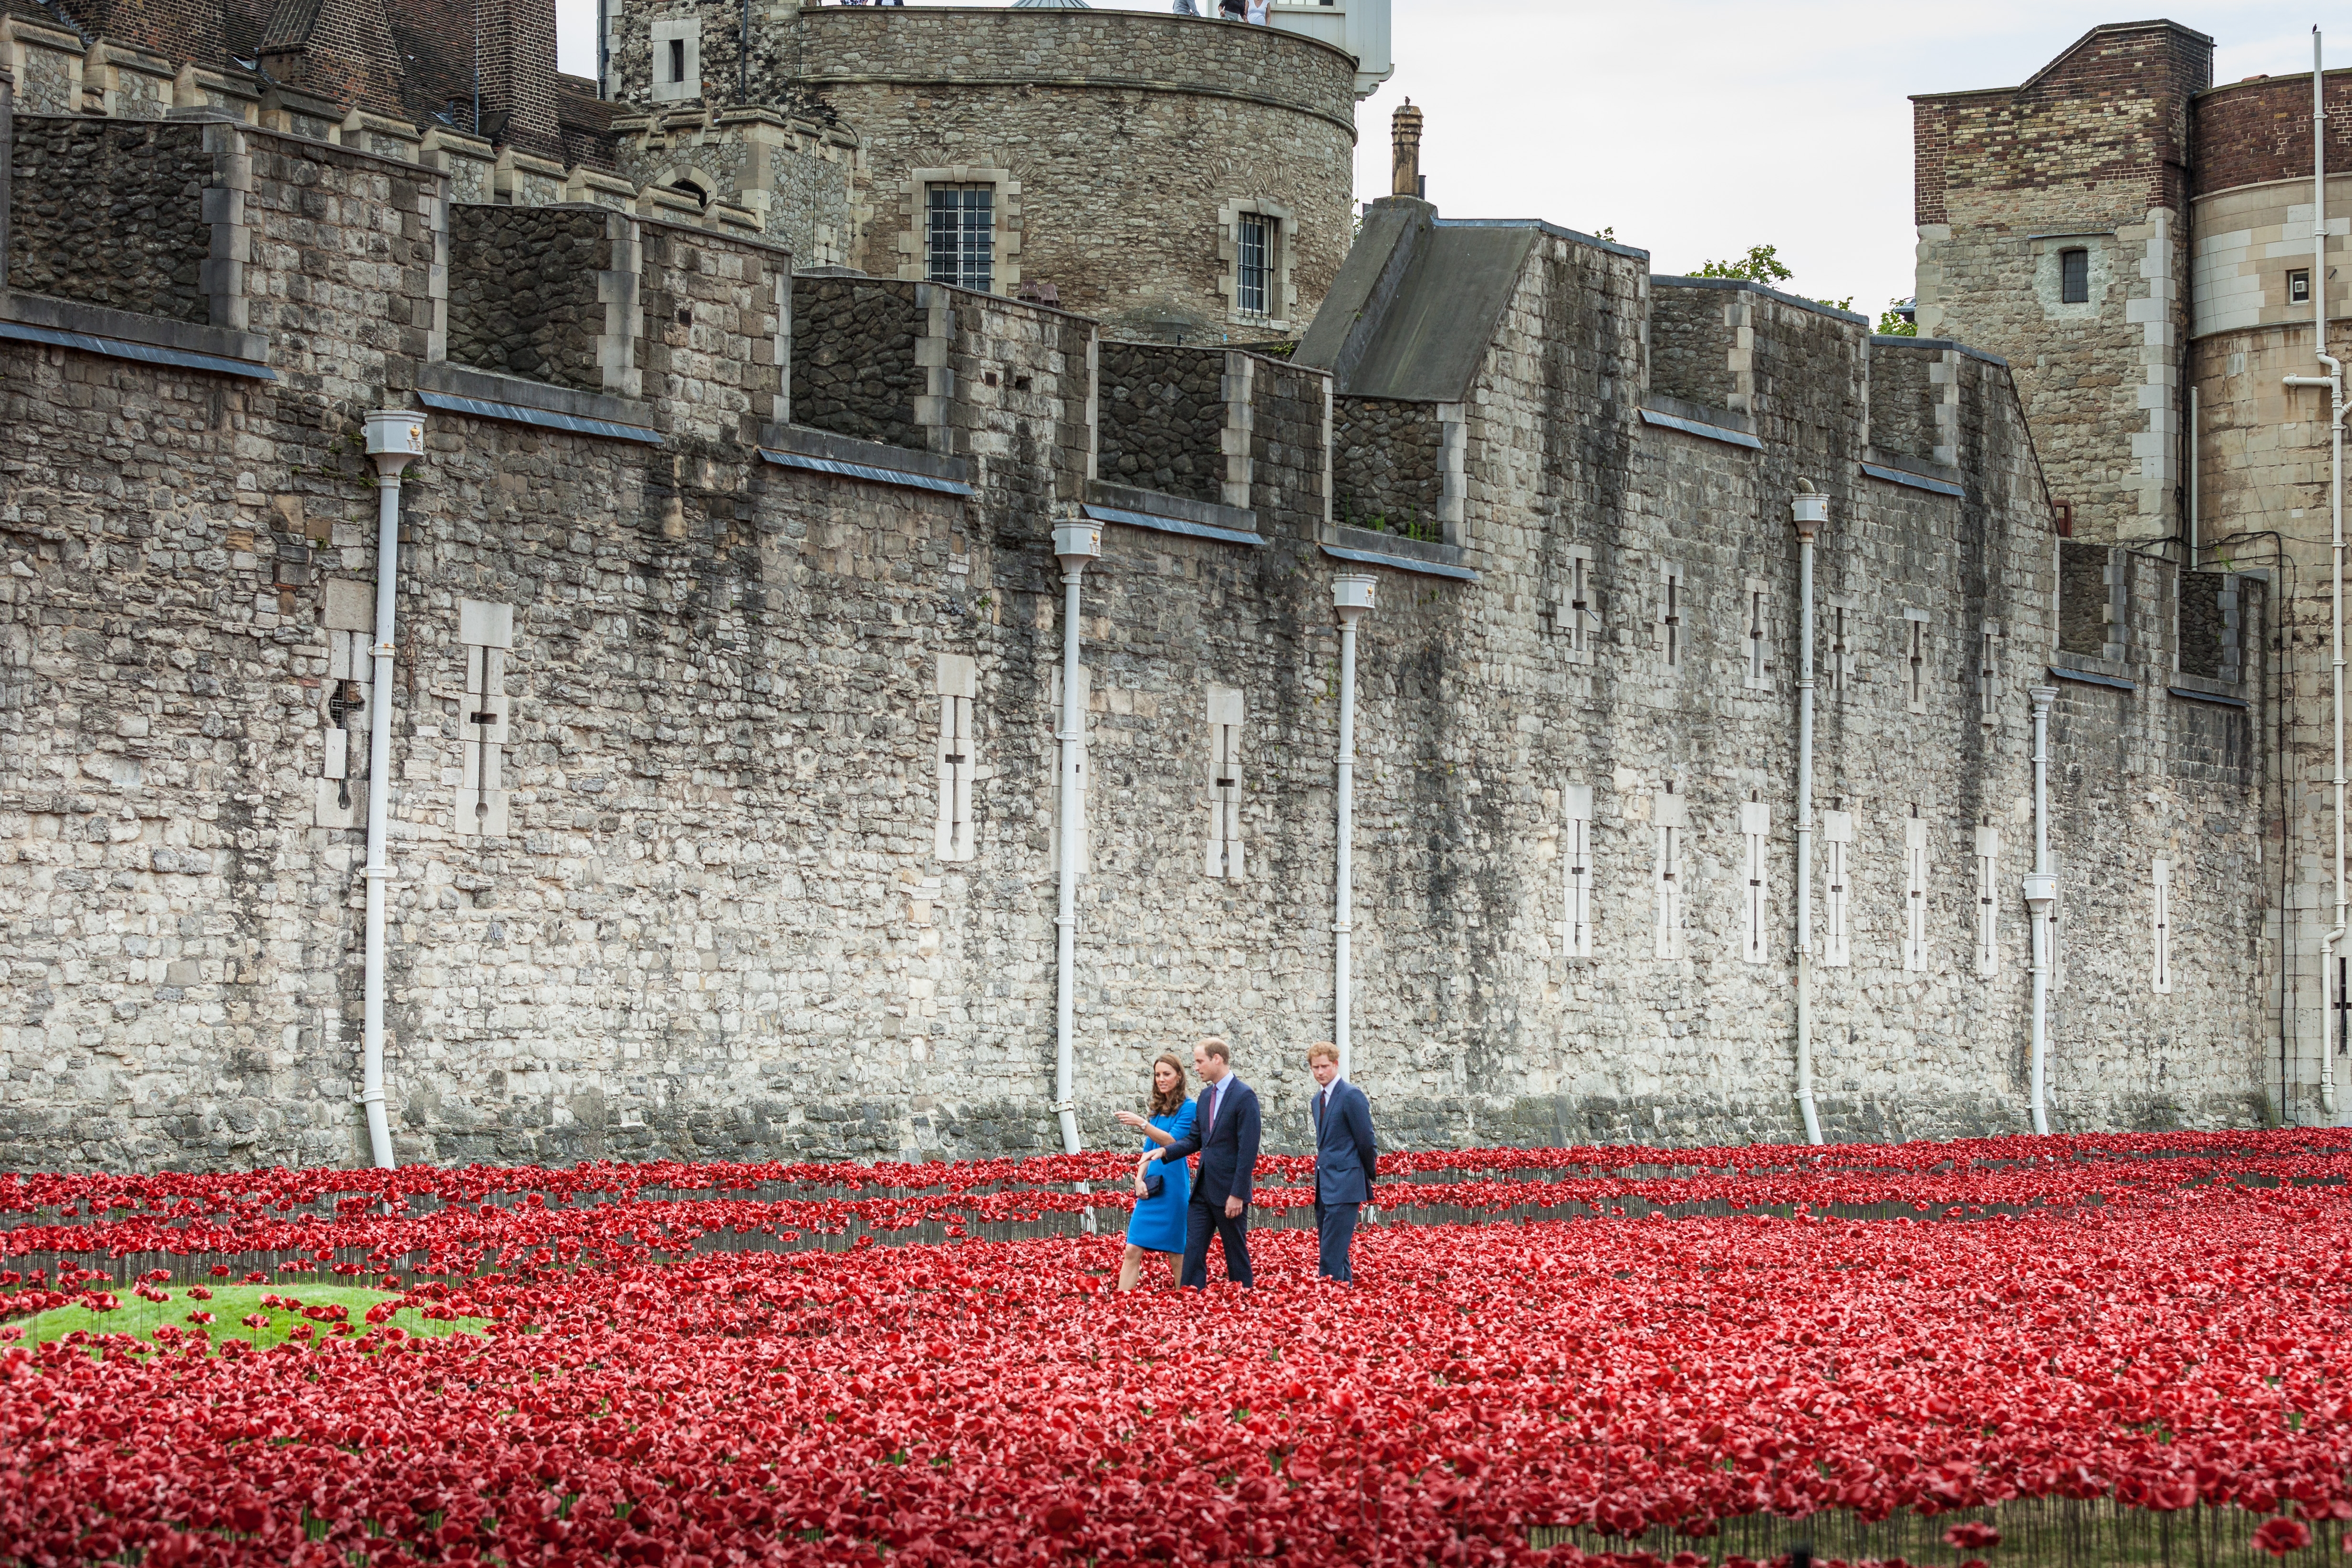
(112, 213)
(1163, 418)
(523, 297)
(715, 925)
(1386, 460)
(854, 367)
(1691, 358)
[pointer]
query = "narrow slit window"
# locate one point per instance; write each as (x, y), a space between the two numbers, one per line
(2074, 276)
(1914, 893)
(485, 634)
(2160, 976)
(1755, 831)
(1576, 851)
(678, 59)
(1583, 622)
(961, 236)
(1225, 710)
(1987, 673)
(1837, 839)
(1668, 810)
(959, 685)
(1758, 631)
(1988, 901)
(1914, 655)
(1840, 659)
(1670, 619)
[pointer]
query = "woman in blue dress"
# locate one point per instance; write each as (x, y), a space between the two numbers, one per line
(1158, 1223)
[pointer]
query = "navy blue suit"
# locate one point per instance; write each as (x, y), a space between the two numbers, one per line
(1345, 1161)
(1228, 1151)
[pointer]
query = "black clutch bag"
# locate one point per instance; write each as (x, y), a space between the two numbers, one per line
(1153, 1186)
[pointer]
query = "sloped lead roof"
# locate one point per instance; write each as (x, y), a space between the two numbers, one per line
(1416, 303)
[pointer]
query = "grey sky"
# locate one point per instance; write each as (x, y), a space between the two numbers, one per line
(1697, 130)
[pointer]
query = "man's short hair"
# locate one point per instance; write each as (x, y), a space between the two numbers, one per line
(1218, 1048)
(1320, 1049)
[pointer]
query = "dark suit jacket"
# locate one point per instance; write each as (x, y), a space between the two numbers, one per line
(1345, 1158)
(1228, 1151)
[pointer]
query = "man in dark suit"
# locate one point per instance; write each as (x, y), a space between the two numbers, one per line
(1345, 1159)
(1225, 1134)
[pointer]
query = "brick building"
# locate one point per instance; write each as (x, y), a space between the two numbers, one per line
(722, 706)
(2137, 241)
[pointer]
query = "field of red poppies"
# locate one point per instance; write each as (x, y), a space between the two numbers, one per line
(2064, 1350)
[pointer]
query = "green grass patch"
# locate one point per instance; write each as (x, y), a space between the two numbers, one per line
(230, 1306)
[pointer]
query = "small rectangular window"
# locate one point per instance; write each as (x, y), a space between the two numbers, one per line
(1225, 708)
(1576, 851)
(2160, 976)
(2074, 276)
(678, 59)
(1988, 902)
(958, 686)
(1843, 622)
(1254, 266)
(1667, 811)
(1837, 838)
(960, 235)
(1755, 829)
(2298, 287)
(1914, 893)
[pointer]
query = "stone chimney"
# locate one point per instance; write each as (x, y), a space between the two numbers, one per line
(1404, 133)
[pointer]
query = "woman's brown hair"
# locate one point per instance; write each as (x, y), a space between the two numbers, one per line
(1168, 1103)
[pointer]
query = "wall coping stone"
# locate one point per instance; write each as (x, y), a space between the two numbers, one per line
(1158, 504)
(1799, 300)
(1387, 556)
(1681, 408)
(1890, 340)
(542, 397)
(1453, 560)
(134, 326)
(1886, 469)
(1705, 429)
(2220, 699)
(801, 441)
(2072, 671)
(2185, 684)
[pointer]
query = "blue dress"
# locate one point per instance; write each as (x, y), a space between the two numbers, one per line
(1158, 1223)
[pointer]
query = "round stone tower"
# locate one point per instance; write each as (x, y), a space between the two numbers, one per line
(1176, 177)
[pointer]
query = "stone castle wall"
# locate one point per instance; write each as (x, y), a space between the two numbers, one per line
(856, 374)
(708, 915)
(529, 304)
(112, 213)
(1163, 418)
(2090, 155)
(1204, 119)
(1387, 457)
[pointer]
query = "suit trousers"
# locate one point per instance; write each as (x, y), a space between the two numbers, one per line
(1200, 1219)
(1334, 1228)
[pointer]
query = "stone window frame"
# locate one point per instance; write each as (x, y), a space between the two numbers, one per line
(1758, 661)
(1916, 658)
(2103, 273)
(1841, 642)
(1004, 230)
(1281, 291)
(666, 30)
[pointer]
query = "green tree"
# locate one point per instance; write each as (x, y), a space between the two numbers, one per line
(1762, 263)
(1890, 325)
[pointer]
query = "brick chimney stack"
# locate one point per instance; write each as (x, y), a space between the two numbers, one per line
(518, 75)
(1404, 134)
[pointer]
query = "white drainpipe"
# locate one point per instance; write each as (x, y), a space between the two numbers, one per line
(2331, 944)
(2040, 893)
(395, 437)
(1351, 600)
(1810, 511)
(1075, 544)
